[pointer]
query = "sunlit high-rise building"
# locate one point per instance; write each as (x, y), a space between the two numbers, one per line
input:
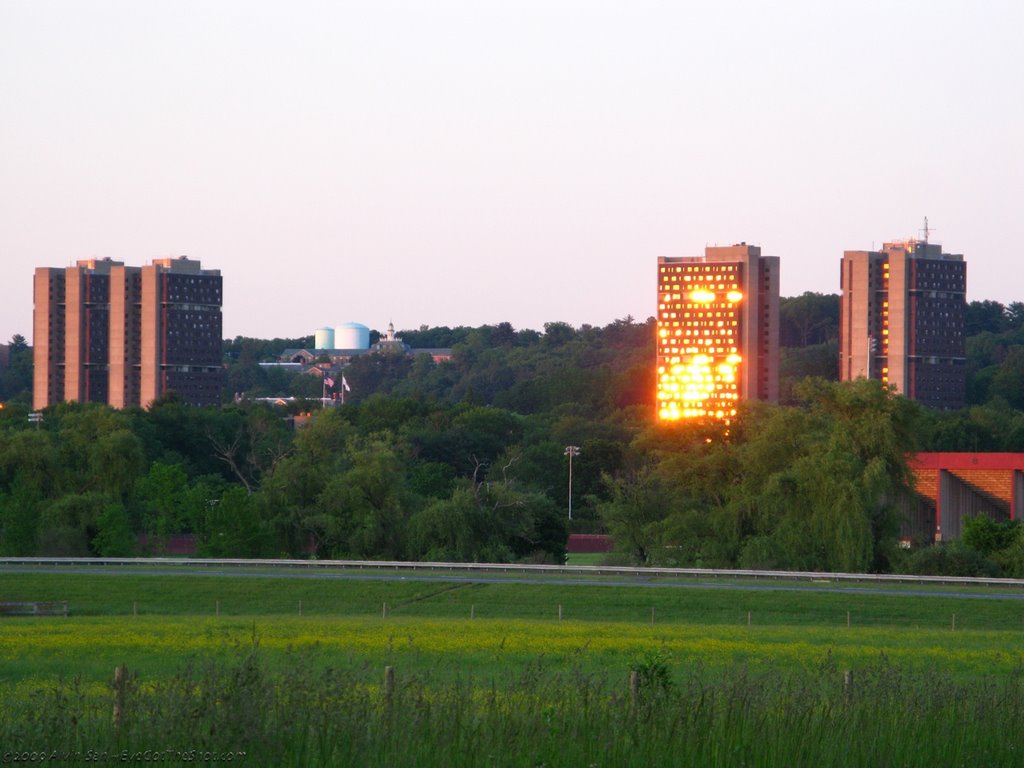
(107, 333)
(901, 321)
(718, 332)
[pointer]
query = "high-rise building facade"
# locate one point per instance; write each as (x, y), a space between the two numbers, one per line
(718, 332)
(902, 316)
(104, 332)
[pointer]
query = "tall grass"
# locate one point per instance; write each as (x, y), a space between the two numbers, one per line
(303, 715)
(724, 677)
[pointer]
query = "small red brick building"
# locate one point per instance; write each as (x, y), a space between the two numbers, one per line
(585, 543)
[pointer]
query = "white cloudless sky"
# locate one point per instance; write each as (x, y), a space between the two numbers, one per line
(461, 162)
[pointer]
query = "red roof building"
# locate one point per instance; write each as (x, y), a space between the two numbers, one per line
(952, 486)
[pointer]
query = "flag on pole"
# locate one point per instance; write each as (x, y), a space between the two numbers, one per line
(328, 381)
(344, 384)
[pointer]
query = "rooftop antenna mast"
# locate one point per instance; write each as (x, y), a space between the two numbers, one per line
(926, 230)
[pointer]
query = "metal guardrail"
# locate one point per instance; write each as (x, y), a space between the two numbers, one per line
(480, 568)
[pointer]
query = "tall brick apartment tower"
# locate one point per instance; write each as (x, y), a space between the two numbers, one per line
(718, 332)
(104, 332)
(902, 314)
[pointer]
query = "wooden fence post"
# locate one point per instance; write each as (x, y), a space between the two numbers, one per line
(848, 686)
(389, 688)
(120, 673)
(634, 686)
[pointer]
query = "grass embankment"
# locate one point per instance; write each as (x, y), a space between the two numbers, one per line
(513, 685)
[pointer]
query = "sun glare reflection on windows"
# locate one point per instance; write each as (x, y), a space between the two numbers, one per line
(698, 341)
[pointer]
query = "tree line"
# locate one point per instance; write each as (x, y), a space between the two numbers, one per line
(464, 460)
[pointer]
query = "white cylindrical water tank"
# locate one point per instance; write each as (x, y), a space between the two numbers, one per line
(351, 336)
(323, 338)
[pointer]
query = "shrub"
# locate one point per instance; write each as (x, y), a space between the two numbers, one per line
(953, 559)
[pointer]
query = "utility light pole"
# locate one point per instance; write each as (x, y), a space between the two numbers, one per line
(570, 451)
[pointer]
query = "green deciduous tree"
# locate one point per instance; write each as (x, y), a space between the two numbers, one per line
(233, 528)
(447, 529)
(811, 318)
(68, 525)
(16, 376)
(635, 513)
(166, 503)
(987, 536)
(362, 508)
(114, 537)
(19, 518)
(853, 476)
(116, 461)
(29, 455)
(985, 316)
(1008, 381)
(491, 519)
(811, 487)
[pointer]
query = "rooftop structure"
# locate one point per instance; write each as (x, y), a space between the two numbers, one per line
(352, 340)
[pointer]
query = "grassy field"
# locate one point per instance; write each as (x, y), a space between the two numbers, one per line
(488, 674)
(45, 649)
(143, 592)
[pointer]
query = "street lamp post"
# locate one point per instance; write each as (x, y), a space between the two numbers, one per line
(570, 451)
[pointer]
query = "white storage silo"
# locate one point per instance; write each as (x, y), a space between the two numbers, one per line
(323, 338)
(351, 336)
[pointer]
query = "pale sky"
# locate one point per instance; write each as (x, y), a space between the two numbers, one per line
(458, 162)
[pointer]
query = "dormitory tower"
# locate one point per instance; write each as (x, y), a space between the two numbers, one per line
(104, 332)
(902, 316)
(718, 332)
